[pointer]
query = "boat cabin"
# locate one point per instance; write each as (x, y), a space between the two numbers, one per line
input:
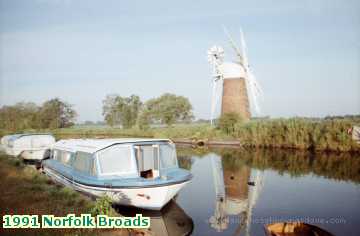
(16, 144)
(105, 158)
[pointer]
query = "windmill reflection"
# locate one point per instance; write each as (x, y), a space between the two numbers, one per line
(234, 196)
(171, 220)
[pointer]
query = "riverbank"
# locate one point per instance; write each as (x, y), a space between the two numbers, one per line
(294, 133)
(26, 191)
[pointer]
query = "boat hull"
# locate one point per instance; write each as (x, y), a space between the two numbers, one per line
(35, 155)
(149, 197)
(295, 229)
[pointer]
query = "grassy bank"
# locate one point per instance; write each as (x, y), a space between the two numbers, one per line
(26, 191)
(296, 133)
(321, 135)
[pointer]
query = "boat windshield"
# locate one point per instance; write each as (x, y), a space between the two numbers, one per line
(167, 156)
(63, 157)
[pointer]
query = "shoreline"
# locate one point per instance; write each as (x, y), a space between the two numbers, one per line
(235, 144)
(204, 142)
(316, 135)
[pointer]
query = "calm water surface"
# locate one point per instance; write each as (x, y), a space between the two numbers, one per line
(236, 192)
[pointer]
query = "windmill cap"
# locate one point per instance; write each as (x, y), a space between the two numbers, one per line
(231, 70)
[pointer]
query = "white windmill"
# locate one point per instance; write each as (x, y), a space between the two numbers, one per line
(234, 79)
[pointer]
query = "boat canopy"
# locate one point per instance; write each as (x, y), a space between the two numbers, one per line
(107, 157)
(28, 140)
(94, 145)
(33, 140)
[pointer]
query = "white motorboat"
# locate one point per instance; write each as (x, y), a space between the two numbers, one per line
(137, 172)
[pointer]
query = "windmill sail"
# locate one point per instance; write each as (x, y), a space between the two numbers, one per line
(233, 45)
(215, 57)
(253, 86)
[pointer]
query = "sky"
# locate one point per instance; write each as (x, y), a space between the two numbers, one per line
(305, 54)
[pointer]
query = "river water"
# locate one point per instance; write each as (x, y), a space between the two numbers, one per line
(237, 192)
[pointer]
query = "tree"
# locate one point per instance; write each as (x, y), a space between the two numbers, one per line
(57, 114)
(167, 109)
(20, 116)
(144, 119)
(128, 109)
(109, 110)
(121, 110)
(28, 115)
(8, 118)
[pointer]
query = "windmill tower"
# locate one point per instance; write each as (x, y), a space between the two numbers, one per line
(235, 80)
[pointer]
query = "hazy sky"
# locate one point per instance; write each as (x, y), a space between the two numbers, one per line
(305, 54)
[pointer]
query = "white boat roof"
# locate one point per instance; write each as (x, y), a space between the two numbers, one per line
(94, 145)
(16, 136)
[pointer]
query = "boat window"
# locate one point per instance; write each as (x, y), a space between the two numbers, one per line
(63, 157)
(167, 156)
(83, 162)
(116, 160)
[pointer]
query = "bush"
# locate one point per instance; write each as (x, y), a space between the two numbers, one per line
(228, 121)
(103, 207)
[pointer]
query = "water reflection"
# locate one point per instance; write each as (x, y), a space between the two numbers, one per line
(171, 220)
(232, 188)
(235, 196)
(338, 166)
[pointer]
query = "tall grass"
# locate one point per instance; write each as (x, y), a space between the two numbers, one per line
(298, 133)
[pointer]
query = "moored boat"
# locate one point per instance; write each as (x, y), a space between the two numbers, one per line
(137, 172)
(28, 146)
(294, 229)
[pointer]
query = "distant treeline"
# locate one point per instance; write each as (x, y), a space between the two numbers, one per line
(137, 118)
(51, 114)
(131, 111)
(125, 112)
